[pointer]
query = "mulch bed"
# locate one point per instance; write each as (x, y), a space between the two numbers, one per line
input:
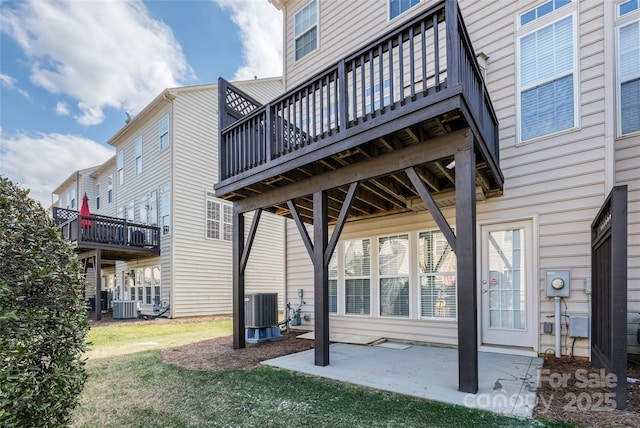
(218, 353)
(571, 391)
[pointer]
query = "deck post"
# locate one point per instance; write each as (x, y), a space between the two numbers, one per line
(466, 259)
(238, 279)
(321, 278)
(97, 262)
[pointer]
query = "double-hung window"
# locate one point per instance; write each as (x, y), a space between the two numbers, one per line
(357, 276)
(138, 148)
(110, 189)
(333, 283)
(164, 132)
(398, 7)
(219, 219)
(120, 167)
(306, 30)
(437, 268)
(165, 207)
(547, 73)
(97, 196)
(393, 265)
(629, 75)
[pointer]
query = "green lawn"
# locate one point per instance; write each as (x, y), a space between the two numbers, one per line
(130, 385)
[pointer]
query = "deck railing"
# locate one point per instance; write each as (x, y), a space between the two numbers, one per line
(99, 230)
(429, 53)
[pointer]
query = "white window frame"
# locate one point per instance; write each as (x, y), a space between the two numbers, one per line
(359, 277)
(152, 208)
(402, 12)
(110, 189)
(223, 225)
(400, 275)
(334, 268)
(165, 208)
(635, 20)
(138, 148)
(532, 27)
(120, 167)
(432, 274)
(163, 128)
(98, 188)
(307, 30)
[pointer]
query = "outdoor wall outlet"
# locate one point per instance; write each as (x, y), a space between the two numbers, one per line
(300, 292)
(548, 327)
(308, 318)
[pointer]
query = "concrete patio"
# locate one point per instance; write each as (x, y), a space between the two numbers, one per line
(507, 383)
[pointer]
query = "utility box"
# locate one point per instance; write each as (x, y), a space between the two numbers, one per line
(261, 310)
(558, 282)
(579, 326)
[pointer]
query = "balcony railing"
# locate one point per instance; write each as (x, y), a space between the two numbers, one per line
(98, 231)
(421, 62)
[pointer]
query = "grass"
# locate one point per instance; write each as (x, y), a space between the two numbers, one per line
(138, 389)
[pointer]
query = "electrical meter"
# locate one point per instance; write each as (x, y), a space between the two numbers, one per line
(558, 282)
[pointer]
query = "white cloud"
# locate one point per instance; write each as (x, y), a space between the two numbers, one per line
(100, 53)
(62, 109)
(42, 162)
(260, 31)
(12, 83)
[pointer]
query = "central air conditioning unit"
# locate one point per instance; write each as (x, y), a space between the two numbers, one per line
(125, 309)
(261, 310)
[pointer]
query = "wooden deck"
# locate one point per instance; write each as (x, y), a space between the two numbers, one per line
(117, 238)
(398, 97)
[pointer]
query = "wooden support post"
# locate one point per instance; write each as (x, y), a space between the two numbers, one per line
(321, 278)
(238, 280)
(97, 262)
(466, 256)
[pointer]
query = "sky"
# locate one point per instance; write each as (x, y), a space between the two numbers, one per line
(70, 71)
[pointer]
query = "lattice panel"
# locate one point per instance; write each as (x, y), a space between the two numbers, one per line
(238, 103)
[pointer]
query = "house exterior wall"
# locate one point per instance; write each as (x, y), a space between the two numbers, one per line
(202, 266)
(557, 182)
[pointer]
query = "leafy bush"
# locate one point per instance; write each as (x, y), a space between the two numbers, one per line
(43, 320)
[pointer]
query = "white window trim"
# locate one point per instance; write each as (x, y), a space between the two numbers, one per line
(619, 25)
(120, 167)
(221, 204)
(395, 18)
(418, 284)
(380, 277)
(165, 117)
(373, 288)
(532, 27)
(137, 144)
(317, 25)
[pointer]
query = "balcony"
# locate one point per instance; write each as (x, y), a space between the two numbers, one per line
(117, 238)
(405, 91)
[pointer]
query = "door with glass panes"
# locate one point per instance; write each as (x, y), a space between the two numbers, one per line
(506, 285)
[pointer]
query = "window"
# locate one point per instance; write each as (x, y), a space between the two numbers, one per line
(219, 220)
(97, 196)
(138, 147)
(120, 166)
(165, 205)
(398, 7)
(628, 7)
(130, 213)
(164, 132)
(213, 220)
(547, 82)
(152, 212)
(393, 265)
(357, 276)
(71, 199)
(306, 30)
(541, 11)
(333, 283)
(110, 189)
(437, 267)
(147, 286)
(629, 77)
(143, 210)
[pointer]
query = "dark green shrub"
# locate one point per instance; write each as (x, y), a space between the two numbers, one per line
(43, 320)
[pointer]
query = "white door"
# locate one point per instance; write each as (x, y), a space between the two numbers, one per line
(507, 287)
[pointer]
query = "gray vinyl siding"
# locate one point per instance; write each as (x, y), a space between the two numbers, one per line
(202, 266)
(558, 181)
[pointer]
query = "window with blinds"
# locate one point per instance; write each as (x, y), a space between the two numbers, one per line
(629, 77)
(393, 265)
(333, 283)
(547, 79)
(437, 266)
(357, 276)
